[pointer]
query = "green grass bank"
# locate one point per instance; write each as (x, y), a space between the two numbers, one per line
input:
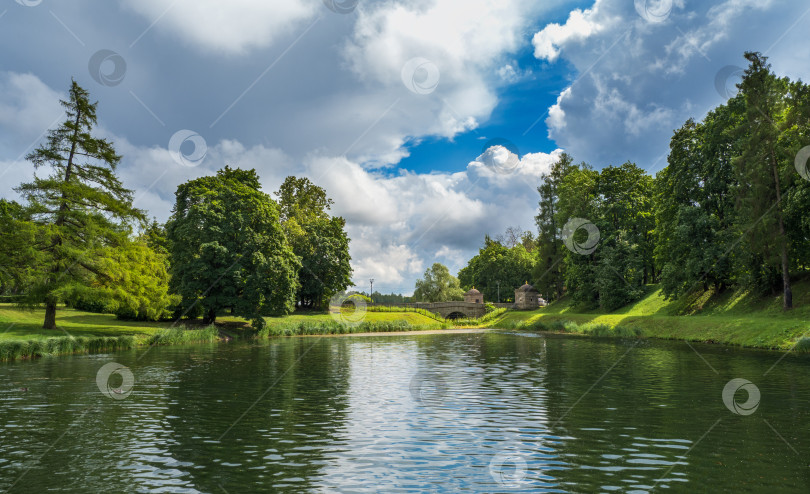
(732, 318)
(78, 332)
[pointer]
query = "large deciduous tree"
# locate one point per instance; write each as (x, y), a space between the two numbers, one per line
(497, 270)
(438, 285)
(318, 239)
(228, 249)
(80, 208)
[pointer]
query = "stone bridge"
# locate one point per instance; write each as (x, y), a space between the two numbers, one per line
(448, 310)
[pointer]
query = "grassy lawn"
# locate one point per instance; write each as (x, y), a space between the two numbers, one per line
(409, 317)
(16, 324)
(737, 318)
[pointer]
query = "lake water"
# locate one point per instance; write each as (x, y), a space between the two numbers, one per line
(493, 412)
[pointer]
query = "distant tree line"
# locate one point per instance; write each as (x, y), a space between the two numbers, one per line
(731, 210)
(228, 247)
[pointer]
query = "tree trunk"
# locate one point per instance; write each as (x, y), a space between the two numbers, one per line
(50, 315)
(50, 303)
(787, 300)
(210, 316)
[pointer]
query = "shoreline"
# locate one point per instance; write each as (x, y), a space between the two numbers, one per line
(763, 332)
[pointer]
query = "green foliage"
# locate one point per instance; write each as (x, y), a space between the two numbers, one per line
(389, 298)
(590, 329)
(79, 209)
(18, 255)
(548, 270)
(228, 249)
(136, 287)
(356, 298)
(17, 349)
(179, 336)
(494, 265)
(802, 345)
(335, 327)
(617, 201)
(319, 240)
(731, 210)
(438, 285)
(486, 318)
(417, 310)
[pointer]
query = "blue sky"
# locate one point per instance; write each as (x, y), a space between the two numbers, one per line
(388, 105)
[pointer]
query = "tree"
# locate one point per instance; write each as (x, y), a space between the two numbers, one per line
(618, 202)
(136, 287)
(228, 249)
(80, 208)
(550, 249)
(765, 165)
(17, 254)
(438, 285)
(497, 270)
(694, 203)
(317, 238)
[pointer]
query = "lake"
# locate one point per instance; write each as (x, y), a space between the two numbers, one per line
(488, 412)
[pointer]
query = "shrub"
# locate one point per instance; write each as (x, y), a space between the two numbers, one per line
(176, 336)
(803, 345)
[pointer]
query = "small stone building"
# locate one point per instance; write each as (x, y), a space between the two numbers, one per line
(474, 296)
(527, 297)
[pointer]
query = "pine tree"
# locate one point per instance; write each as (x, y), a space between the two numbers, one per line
(763, 166)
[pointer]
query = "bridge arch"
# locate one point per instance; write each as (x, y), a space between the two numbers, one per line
(456, 315)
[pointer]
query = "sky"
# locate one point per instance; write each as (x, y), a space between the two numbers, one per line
(429, 122)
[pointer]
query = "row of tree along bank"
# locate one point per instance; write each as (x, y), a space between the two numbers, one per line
(228, 246)
(731, 210)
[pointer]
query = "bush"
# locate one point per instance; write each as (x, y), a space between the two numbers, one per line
(177, 336)
(803, 345)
